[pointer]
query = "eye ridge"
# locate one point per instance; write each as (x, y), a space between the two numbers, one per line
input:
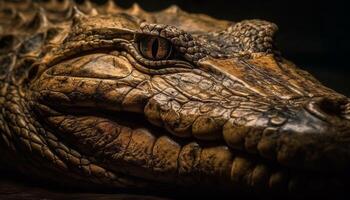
(155, 48)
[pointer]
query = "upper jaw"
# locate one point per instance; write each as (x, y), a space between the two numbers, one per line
(292, 135)
(304, 135)
(306, 125)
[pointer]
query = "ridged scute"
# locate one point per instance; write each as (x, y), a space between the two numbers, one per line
(26, 36)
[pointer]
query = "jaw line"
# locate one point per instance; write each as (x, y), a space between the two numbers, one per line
(139, 121)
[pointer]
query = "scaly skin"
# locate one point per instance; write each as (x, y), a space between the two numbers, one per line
(89, 97)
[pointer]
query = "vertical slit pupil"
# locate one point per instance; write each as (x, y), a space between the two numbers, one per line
(155, 46)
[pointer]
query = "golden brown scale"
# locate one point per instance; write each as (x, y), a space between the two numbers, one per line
(123, 98)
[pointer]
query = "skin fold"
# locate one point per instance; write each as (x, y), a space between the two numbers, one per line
(100, 96)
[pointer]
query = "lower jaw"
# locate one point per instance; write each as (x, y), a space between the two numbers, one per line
(152, 157)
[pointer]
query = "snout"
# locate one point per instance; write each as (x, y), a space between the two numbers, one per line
(318, 137)
(313, 136)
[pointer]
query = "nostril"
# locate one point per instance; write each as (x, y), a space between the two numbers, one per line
(329, 106)
(326, 107)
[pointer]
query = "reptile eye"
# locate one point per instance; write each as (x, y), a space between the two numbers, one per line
(155, 48)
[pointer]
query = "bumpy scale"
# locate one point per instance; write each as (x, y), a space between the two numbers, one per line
(96, 95)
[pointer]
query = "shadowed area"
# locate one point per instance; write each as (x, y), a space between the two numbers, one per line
(13, 187)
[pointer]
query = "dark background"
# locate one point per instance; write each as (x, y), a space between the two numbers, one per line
(313, 34)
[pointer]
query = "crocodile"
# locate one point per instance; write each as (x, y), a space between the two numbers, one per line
(100, 96)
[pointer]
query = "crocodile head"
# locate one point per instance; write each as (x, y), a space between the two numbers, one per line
(128, 98)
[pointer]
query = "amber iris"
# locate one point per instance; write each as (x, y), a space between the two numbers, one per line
(155, 48)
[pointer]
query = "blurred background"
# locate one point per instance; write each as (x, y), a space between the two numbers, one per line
(313, 34)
